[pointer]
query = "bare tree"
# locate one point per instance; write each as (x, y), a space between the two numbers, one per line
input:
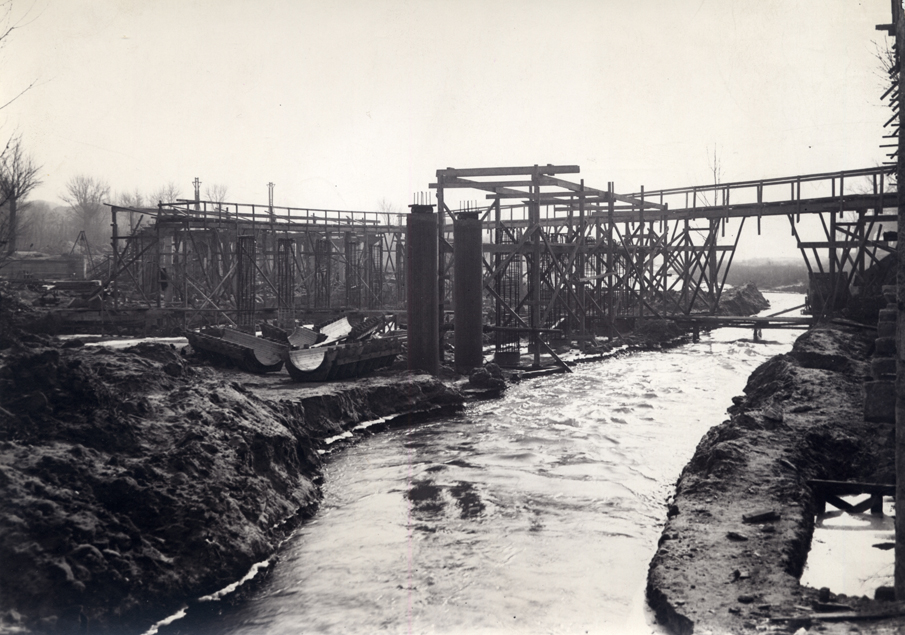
(385, 206)
(18, 177)
(85, 196)
(165, 194)
(216, 194)
(715, 167)
(7, 25)
(134, 200)
(44, 228)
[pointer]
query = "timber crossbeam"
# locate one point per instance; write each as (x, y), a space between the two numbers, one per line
(830, 492)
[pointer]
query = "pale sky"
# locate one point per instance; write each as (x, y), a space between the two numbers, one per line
(342, 104)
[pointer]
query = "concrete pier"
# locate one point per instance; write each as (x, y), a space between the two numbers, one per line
(468, 291)
(422, 291)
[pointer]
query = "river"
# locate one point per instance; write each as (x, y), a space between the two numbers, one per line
(534, 513)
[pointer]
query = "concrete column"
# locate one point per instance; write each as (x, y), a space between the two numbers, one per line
(422, 290)
(468, 289)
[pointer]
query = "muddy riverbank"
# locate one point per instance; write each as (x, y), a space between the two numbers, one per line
(801, 418)
(132, 481)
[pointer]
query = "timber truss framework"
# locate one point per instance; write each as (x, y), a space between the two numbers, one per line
(562, 259)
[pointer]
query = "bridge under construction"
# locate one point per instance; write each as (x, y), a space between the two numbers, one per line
(559, 259)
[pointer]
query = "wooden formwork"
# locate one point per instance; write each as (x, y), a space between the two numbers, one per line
(230, 262)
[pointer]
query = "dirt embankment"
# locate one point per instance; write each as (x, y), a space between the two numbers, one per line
(801, 418)
(132, 482)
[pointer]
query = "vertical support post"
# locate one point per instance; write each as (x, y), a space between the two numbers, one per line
(468, 277)
(834, 272)
(160, 273)
(610, 304)
(664, 227)
(899, 572)
(641, 250)
(245, 284)
(876, 504)
(441, 263)
(423, 304)
(286, 283)
(323, 255)
(184, 274)
(350, 270)
(580, 260)
(534, 273)
(400, 270)
(114, 240)
(712, 264)
(686, 265)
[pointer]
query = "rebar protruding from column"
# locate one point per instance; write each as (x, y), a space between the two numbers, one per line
(422, 272)
(468, 291)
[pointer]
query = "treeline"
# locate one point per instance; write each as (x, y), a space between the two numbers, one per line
(42, 227)
(768, 273)
(55, 229)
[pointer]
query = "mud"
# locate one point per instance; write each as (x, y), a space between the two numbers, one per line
(801, 418)
(132, 481)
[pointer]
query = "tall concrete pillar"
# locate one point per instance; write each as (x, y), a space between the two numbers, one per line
(468, 291)
(422, 291)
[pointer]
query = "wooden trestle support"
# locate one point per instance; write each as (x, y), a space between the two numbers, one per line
(572, 261)
(561, 259)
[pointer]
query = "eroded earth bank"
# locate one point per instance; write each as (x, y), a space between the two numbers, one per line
(801, 418)
(132, 481)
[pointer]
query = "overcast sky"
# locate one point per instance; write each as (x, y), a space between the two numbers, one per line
(343, 104)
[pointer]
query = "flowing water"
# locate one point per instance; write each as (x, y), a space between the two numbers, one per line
(535, 513)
